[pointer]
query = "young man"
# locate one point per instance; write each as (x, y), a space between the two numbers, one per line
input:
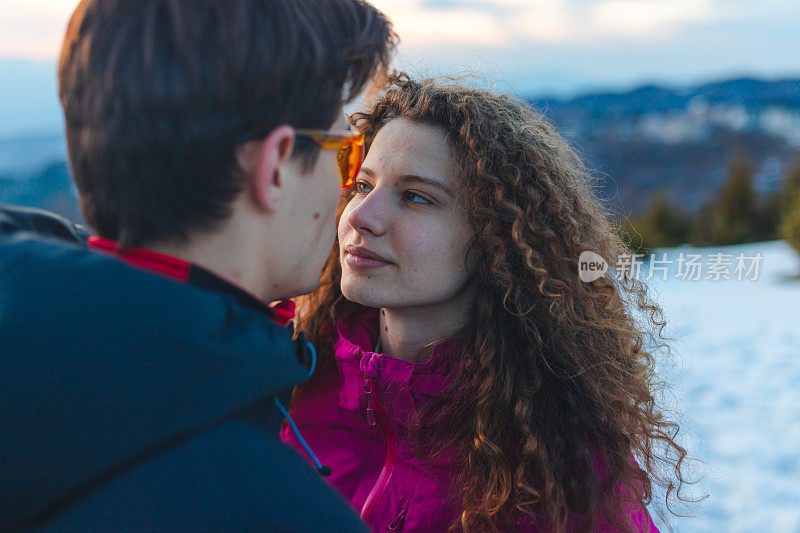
(140, 369)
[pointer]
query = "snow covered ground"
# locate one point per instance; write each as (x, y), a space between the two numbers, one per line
(736, 376)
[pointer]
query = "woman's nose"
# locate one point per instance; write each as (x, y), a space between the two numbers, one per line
(369, 214)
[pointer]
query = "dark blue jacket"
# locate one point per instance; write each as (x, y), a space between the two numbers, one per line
(132, 402)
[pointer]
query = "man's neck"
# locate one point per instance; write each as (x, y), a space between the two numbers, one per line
(237, 252)
(223, 262)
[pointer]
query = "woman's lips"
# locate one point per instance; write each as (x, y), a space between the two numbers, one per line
(359, 258)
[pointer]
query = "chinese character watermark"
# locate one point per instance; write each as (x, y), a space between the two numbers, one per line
(688, 266)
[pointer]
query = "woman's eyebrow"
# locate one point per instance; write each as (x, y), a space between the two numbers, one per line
(406, 178)
(428, 181)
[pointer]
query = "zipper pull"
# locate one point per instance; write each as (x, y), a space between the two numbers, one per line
(368, 395)
(399, 518)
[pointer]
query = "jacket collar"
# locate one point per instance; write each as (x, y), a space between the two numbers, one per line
(186, 272)
(404, 385)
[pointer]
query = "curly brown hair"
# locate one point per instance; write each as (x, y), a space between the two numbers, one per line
(558, 374)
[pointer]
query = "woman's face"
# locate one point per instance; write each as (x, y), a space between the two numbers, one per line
(402, 237)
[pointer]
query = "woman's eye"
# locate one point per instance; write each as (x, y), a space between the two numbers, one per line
(362, 187)
(416, 198)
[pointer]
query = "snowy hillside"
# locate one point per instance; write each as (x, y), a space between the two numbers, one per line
(737, 378)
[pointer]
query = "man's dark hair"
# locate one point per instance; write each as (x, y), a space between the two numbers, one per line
(156, 92)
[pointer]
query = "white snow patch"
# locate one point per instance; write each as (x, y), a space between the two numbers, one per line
(736, 378)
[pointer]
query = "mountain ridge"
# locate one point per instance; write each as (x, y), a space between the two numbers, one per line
(652, 137)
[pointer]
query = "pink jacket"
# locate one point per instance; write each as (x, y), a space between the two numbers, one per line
(356, 422)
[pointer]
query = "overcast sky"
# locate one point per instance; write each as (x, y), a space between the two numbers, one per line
(536, 46)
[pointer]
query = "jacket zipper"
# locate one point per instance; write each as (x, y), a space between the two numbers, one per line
(370, 407)
(375, 409)
(395, 524)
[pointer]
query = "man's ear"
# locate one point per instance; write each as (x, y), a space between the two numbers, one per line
(267, 182)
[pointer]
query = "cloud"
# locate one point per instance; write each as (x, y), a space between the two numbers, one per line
(454, 25)
(648, 19)
(487, 6)
(508, 23)
(33, 29)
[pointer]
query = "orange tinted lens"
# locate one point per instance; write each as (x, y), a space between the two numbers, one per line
(350, 158)
(344, 166)
(357, 156)
(350, 152)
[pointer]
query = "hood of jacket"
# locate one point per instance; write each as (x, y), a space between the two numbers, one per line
(103, 363)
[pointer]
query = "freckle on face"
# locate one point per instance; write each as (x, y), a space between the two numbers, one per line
(316, 216)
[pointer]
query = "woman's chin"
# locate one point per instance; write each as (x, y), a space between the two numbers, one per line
(363, 295)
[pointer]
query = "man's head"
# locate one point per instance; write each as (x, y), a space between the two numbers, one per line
(158, 94)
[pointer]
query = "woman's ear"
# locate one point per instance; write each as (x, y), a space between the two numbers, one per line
(267, 183)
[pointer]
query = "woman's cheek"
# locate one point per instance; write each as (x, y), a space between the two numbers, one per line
(341, 229)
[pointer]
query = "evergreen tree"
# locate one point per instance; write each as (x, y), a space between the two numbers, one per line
(733, 217)
(772, 209)
(768, 217)
(790, 208)
(791, 187)
(700, 232)
(790, 226)
(663, 225)
(629, 232)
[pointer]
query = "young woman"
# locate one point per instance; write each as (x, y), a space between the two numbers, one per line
(467, 378)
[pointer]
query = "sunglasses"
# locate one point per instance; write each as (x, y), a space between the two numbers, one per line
(350, 146)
